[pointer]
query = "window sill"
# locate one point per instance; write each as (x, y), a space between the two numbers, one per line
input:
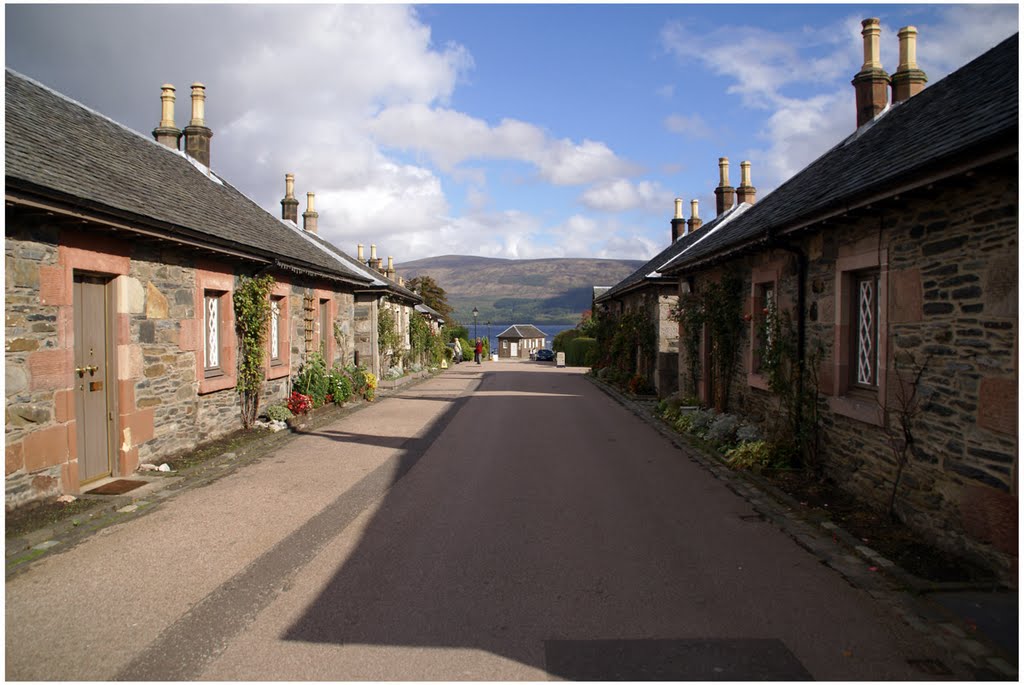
(277, 370)
(208, 385)
(863, 410)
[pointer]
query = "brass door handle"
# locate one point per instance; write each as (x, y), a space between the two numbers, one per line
(80, 371)
(92, 369)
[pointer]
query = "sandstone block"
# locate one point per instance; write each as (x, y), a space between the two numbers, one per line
(45, 447)
(49, 369)
(997, 400)
(54, 286)
(131, 297)
(156, 303)
(15, 461)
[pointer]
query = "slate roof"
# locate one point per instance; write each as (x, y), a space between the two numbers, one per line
(377, 279)
(58, 147)
(648, 273)
(424, 309)
(522, 330)
(959, 116)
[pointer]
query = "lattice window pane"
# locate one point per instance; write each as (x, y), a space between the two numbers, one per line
(212, 327)
(867, 337)
(275, 328)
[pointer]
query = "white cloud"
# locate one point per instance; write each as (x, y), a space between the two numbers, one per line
(450, 138)
(620, 195)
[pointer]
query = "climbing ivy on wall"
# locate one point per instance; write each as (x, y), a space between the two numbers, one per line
(252, 314)
(388, 340)
(717, 312)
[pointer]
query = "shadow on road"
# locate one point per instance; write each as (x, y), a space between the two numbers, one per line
(525, 534)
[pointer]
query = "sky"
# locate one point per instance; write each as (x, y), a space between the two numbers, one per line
(514, 131)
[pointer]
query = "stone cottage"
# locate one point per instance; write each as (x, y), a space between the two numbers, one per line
(520, 341)
(894, 257)
(652, 296)
(122, 257)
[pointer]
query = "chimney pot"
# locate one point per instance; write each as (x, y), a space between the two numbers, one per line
(198, 105)
(746, 192)
(678, 222)
(694, 222)
(309, 217)
(197, 135)
(373, 253)
(167, 133)
(908, 80)
(871, 83)
(289, 205)
(359, 252)
(725, 194)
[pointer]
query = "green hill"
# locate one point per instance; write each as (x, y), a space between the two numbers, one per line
(519, 290)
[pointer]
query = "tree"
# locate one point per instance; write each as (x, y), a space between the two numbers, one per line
(434, 296)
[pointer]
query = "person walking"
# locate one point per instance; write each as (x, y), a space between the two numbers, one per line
(478, 352)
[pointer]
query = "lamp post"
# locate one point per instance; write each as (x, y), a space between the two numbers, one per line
(476, 313)
(488, 337)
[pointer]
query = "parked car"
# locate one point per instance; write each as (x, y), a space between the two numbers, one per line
(545, 355)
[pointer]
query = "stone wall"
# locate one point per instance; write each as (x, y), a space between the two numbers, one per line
(951, 296)
(161, 405)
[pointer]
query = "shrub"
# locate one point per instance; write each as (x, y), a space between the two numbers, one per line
(299, 403)
(684, 423)
(279, 412)
(749, 455)
(722, 430)
(364, 383)
(340, 386)
(312, 379)
(393, 373)
(700, 420)
(562, 340)
(581, 352)
(748, 433)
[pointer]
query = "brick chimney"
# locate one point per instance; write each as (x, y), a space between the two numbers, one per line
(694, 222)
(167, 133)
(908, 80)
(746, 192)
(310, 216)
(391, 267)
(678, 222)
(871, 83)
(725, 194)
(289, 205)
(359, 253)
(197, 135)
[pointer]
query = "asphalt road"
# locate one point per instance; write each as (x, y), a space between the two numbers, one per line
(501, 522)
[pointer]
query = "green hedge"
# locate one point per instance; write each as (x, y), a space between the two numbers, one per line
(581, 352)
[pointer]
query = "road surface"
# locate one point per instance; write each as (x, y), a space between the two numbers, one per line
(499, 522)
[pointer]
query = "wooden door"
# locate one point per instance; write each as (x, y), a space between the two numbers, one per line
(91, 377)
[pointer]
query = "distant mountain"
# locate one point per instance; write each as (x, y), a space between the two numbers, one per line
(519, 290)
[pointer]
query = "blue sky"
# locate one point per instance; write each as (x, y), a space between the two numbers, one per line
(519, 131)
